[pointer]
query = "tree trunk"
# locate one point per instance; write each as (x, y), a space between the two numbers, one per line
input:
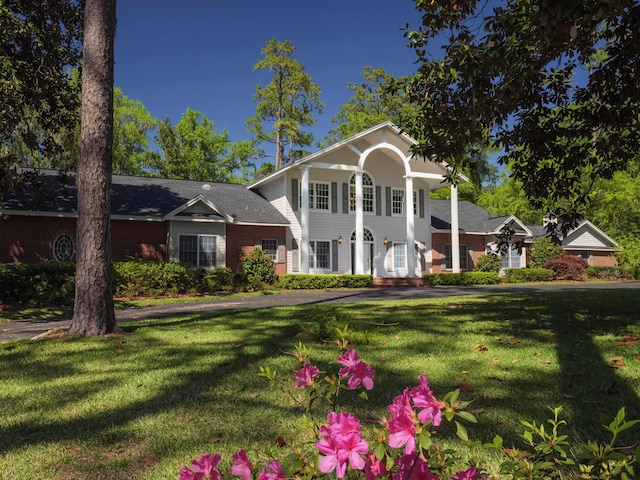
(93, 312)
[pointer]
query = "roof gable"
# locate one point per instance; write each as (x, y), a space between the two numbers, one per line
(586, 236)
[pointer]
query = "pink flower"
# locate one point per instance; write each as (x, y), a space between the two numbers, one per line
(412, 467)
(373, 467)
(205, 469)
(341, 443)
(402, 428)
(358, 371)
(275, 474)
(305, 375)
(423, 399)
(469, 474)
(241, 465)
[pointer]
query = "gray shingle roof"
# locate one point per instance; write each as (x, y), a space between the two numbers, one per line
(471, 218)
(155, 198)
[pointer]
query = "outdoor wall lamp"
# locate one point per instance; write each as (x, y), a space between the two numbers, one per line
(385, 241)
(340, 239)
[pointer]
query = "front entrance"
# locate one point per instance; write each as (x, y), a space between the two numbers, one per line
(369, 263)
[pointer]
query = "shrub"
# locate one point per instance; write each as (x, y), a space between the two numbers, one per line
(144, 278)
(523, 275)
(608, 273)
(47, 283)
(463, 278)
(488, 263)
(568, 267)
(298, 281)
(218, 279)
(542, 250)
(629, 255)
(259, 267)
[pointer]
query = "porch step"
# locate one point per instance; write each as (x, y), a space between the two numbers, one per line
(389, 282)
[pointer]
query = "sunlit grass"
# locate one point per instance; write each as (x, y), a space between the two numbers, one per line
(140, 405)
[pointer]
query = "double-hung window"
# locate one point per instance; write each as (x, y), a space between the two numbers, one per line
(464, 265)
(320, 255)
(511, 258)
(199, 250)
(397, 201)
(319, 196)
(270, 248)
(399, 255)
(368, 199)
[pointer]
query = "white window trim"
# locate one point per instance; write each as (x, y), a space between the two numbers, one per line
(404, 255)
(352, 206)
(313, 256)
(394, 202)
(313, 198)
(275, 252)
(70, 247)
(198, 236)
(464, 258)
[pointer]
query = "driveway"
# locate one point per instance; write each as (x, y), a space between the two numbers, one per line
(16, 329)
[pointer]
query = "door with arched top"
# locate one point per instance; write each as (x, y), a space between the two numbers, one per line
(369, 264)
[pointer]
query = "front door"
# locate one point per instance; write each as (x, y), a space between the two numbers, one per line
(368, 257)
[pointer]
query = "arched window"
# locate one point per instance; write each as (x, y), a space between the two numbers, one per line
(63, 247)
(368, 199)
(368, 236)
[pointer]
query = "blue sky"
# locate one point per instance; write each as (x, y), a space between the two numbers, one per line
(198, 54)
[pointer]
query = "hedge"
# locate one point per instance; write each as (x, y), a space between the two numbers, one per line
(140, 278)
(47, 283)
(295, 281)
(463, 278)
(608, 273)
(523, 275)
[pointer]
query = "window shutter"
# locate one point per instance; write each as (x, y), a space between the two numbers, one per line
(281, 256)
(345, 198)
(421, 203)
(294, 194)
(295, 262)
(334, 255)
(387, 200)
(443, 257)
(334, 197)
(258, 243)
(378, 200)
(389, 258)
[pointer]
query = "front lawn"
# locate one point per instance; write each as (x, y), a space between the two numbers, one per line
(141, 405)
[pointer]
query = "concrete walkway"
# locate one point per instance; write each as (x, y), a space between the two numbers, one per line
(29, 328)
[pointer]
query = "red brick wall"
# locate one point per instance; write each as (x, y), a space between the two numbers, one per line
(603, 259)
(241, 240)
(29, 238)
(476, 245)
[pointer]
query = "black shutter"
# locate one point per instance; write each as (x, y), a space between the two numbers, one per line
(334, 255)
(378, 200)
(387, 200)
(345, 198)
(421, 203)
(334, 197)
(294, 194)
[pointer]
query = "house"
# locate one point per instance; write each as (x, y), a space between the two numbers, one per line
(343, 209)
(207, 224)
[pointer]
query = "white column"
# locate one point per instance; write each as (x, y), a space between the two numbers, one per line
(359, 224)
(304, 220)
(411, 236)
(455, 231)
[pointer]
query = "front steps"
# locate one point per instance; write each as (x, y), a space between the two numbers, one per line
(390, 282)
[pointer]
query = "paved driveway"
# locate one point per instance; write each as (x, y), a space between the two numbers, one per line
(16, 329)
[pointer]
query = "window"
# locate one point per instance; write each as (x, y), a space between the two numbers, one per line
(318, 196)
(63, 247)
(367, 193)
(199, 250)
(320, 255)
(397, 201)
(399, 255)
(449, 257)
(270, 247)
(511, 258)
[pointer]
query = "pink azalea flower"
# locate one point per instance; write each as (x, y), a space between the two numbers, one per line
(305, 375)
(187, 474)
(342, 423)
(275, 474)
(241, 465)
(412, 467)
(359, 371)
(341, 444)
(469, 474)
(423, 399)
(348, 359)
(402, 431)
(373, 467)
(207, 466)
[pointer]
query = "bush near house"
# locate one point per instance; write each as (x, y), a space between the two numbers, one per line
(259, 268)
(488, 263)
(298, 281)
(463, 278)
(608, 273)
(568, 267)
(542, 250)
(47, 283)
(524, 275)
(144, 278)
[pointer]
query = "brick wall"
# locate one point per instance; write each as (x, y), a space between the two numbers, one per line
(131, 239)
(476, 245)
(241, 240)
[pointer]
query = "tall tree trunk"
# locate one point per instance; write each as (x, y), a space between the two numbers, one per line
(93, 312)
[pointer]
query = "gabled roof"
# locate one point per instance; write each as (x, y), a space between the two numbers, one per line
(586, 236)
(472, 218)
(154, 198)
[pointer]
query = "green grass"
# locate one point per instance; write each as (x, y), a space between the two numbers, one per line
(141, 405)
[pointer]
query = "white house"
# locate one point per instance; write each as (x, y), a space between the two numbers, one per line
(355, 206)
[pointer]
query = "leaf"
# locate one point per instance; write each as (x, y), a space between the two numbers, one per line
(461, 432)
(481, 347)
(281, 442)
(467, 416)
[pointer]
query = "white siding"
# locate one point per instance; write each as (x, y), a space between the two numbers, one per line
(584, 239)
(177, 228)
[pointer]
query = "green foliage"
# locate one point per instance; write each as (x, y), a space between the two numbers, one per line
(193, 150)
(288, 103)
(48, 283)
(524, 275)
(141, 278)
(542, 250)
(309, 281)
(568, 267)
(259, 268)
(488, 263)
(508, 198)
(607, 273)
(629, 255)
(219, 278)
(508, 78)
(462, 278)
